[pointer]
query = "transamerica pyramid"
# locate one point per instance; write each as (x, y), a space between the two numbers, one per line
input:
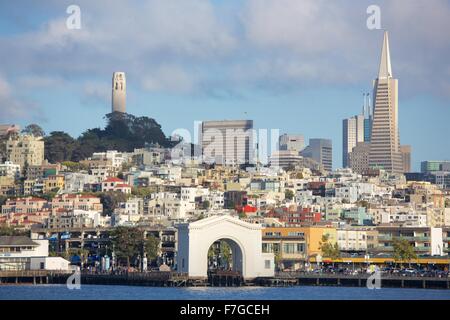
(385, 142)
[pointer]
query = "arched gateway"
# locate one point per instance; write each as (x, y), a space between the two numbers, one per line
(244, 239)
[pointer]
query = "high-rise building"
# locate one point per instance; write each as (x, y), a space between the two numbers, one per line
(406, 157)
(292, 142)
(352, 133)
(26, 150)
(368, 117)
(359, 158)
(320, 150)
(228, 142)
(385, 141)
(119, 92)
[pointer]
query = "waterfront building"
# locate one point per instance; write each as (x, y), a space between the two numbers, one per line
(354, 239)
(289, 244)
(385, 141)
(23, 253)
(352, 134)
(25, 150)
(321, 151)
(228, 142)
(424, 240)
(119, 92)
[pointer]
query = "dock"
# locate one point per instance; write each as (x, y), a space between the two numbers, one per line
(219, 279)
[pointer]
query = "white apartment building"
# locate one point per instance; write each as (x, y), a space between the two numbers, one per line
(9, 169)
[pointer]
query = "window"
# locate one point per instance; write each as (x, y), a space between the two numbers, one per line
(42, 265)
(267, 264)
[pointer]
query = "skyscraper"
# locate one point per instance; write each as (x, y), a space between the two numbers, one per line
(352, 133)
(385, 141)
(368, 118)
(119, 92)
(320, 150)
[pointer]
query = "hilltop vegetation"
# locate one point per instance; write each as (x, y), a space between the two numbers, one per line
(123, 132)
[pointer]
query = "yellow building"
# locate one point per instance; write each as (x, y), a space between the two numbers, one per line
(53, 182)
(25, 150)
(311, 236)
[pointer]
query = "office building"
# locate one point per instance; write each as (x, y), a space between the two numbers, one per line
(228, 142)
(320, 150)
(359, 158)
(290, 142)
(352, 133)
(385, 141)
(432, 166)
(406, 157)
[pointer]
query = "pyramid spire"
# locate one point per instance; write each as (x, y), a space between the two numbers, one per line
(385, 64)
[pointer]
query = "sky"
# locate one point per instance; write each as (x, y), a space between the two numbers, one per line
(300, 66)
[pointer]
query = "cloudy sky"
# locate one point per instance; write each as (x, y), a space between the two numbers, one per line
(299, 66)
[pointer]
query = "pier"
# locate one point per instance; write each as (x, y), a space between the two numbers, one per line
(220, 279)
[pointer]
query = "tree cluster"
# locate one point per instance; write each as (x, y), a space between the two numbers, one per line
(123, 132)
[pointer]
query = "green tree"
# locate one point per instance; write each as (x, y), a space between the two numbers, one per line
(34, 129)
(205, 205)
(329, 250)
(11, 231)
(403, 250)
(59, 147)
(129, 242)
(289, 194)
(111, 200)
(151, 246)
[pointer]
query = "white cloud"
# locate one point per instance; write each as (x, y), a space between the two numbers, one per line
(13, 108)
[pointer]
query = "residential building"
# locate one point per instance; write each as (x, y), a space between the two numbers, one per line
(9, 169)
(25, 150)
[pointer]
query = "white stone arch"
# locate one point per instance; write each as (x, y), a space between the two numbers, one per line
(238, 255)
(195, 239)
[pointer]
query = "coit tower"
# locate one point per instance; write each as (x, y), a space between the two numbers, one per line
(119, 92)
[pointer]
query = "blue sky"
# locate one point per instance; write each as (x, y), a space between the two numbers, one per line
(296, 66)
